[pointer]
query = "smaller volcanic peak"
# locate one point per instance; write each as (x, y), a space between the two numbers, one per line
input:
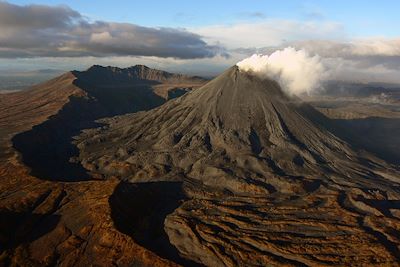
(132, 89)
(137, 73)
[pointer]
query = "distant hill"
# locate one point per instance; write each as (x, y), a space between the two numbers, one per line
(355, 89)
(21, 80)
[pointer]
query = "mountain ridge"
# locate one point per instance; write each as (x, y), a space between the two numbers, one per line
(134, 73)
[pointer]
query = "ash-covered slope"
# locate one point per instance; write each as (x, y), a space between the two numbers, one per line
(237, 132)
(236, 173)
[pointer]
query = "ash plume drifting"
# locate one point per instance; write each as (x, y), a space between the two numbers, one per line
(295, 70)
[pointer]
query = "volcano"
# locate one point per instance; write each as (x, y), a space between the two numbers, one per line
(261, 179)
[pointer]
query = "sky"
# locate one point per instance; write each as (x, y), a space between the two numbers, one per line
(354, 39)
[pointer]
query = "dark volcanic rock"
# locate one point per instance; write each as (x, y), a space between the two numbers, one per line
(267, 181)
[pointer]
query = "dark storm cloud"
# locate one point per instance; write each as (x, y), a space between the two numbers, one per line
(36, 16)
(44, 31)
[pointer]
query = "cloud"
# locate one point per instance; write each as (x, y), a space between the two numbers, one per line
(207, 67)
(377, 47)
(58, 31)
(295, 70)
(315, 15)
(353, 48)
(268, 32)
(356, 71)
(252, 15)
(36, 16)
(363, 53)
(34, 35)
(365, 60)
(313, 12)
(257, 15)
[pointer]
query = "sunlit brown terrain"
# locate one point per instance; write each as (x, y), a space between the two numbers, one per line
(233, 173)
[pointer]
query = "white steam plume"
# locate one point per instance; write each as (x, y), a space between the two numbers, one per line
(295, 70)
